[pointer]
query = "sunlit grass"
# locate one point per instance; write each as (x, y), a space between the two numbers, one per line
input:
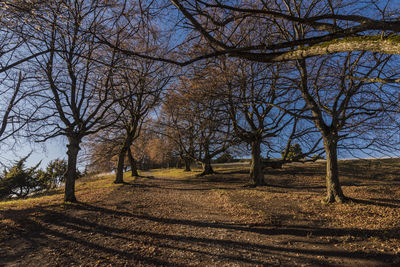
(100, 186)
(181, 174)
(172, 173)
(86, 189)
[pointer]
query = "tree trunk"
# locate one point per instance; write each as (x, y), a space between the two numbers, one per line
(132, 162)
(187, 164)
(119, 178)
(207, 168)
(70, 176)
(334, 191)
(256, 168)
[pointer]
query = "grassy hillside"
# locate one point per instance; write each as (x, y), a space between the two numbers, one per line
(169, 216)
(87, 189)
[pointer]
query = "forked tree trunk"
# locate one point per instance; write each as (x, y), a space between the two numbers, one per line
(187, 164)
(207, 168)
(256, 168)
(70, 175)
(333, 188)
(134, 171)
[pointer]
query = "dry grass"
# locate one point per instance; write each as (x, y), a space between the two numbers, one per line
(295, 193)
(87, 189)
(173, 173)
(288, 212)
(293, 198)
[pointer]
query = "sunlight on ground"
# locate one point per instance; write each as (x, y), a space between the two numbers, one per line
(86, 189)
(172, 173)
(181, 174)
(291, 200)
(92, 187)
(294, 197)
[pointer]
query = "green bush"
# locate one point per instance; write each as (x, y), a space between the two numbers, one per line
(54, 174)
(19, 181)
(295, 153)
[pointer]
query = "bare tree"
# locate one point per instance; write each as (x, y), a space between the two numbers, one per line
(78, 85)
(339, 106)
(16, 110)
(196, 119)
(180, 131)
(18, 22)
(139, 89)
(252, 93)
(336, 26)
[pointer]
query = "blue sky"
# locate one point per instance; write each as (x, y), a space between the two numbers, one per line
(53, 149)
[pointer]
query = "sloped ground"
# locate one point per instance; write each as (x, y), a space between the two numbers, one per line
(213, 221)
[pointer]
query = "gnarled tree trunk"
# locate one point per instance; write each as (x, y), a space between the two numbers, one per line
(207, 168)
(134, 171)
(256, 168)
(70, 176)
(333, 188)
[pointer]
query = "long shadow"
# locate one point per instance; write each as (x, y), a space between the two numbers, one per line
(295, 186)
(373, 202)
(235, 172)
(204, 183)
(296, 230)
(220, 178)
(82, 226)
(204, 188)
(237, 244)
(45, 231)
(217, 177)
(394, 201)
(79, 225)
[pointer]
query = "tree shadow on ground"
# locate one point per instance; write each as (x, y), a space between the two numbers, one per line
(74, 231)
(382, 202)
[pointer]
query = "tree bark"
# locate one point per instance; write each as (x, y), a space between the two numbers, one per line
(134, 171)
(256, 168)
(367, 43)
(187, 164)
(119, 178)
(333, 188)
(70, 176)
(207, 168)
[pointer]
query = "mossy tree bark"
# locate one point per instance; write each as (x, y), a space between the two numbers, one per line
(340, 39)
(71, 175)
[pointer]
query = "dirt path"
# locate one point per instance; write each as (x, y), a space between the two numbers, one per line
(165, 221)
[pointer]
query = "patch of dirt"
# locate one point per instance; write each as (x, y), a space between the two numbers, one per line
(211, 220)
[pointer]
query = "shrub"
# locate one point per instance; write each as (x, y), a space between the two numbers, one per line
(55, 173)
(295, 153)
(19, 181)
